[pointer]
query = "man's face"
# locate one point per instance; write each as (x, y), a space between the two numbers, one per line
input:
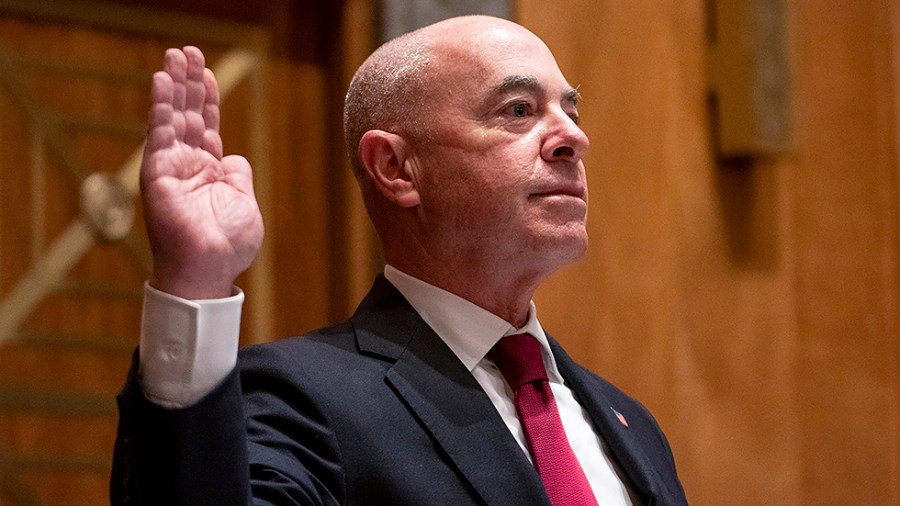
(500, 172)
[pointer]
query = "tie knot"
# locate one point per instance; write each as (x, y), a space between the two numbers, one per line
(519, 359)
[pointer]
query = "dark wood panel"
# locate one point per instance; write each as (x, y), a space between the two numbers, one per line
(302, 30)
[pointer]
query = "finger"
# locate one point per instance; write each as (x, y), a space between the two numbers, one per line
(195, 97)
(161, 100)
(162, 89)
(212, 143)
(195, 90)
(238, 173)
(196, 62)
(160, 133)
(175, 65)
(158, 139)
(211, 107)
(178, 123)
(194, 129)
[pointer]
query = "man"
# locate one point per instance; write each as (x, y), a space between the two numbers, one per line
(464, 138)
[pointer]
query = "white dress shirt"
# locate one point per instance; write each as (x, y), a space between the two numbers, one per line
(189, 347)
(471, 331)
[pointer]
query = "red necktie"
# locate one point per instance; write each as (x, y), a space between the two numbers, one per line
(519, 359)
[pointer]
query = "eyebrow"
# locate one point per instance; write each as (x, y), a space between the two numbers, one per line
(517, 83)
(531, 84)
(573, 95)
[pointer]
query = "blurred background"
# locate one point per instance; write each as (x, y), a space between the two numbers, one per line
(744, 270)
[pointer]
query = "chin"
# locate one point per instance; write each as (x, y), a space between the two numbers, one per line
(576, 251)
(565, 249)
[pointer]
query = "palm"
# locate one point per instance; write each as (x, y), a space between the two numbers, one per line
(202, 217)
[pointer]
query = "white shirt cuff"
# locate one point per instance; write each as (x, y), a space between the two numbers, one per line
(187, 346)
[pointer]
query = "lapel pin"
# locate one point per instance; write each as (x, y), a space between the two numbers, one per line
(621, 417)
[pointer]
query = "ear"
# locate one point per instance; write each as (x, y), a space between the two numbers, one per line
(384, 157)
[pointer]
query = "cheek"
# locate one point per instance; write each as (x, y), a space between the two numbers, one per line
(463, 205)
(476, 179)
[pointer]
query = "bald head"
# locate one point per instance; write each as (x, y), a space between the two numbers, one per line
(389, 90)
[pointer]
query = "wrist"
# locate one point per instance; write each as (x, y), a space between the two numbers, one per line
(193, 289)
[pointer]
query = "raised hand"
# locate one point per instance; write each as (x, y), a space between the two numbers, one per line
(202, 217)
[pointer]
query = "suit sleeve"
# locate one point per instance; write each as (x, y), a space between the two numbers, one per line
(193, 456)
(266, 442)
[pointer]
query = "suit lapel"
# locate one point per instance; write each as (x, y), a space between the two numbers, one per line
(444, 396)
(626, 452)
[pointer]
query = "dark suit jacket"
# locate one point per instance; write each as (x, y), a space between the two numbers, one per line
(375, 410)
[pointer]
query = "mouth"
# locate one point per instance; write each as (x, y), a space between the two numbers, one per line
(575, 190)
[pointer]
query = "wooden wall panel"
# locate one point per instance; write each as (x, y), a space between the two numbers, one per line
(58, 378)
(298, 230)
(751, 306)
(846, 237)
(60, 372)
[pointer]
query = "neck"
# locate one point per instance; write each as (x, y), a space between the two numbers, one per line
(503, 293)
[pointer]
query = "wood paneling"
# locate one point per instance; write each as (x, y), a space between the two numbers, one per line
(845, 231)
(60, 372)
(751, 306)
(57, 379)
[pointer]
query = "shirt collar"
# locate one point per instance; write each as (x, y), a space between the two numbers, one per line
(469, 330)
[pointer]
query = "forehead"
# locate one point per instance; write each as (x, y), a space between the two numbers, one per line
(499, 60)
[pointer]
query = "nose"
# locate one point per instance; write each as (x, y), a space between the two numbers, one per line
(566, 141)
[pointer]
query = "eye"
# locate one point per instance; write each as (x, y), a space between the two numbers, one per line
(574, 117)
(518, 110)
